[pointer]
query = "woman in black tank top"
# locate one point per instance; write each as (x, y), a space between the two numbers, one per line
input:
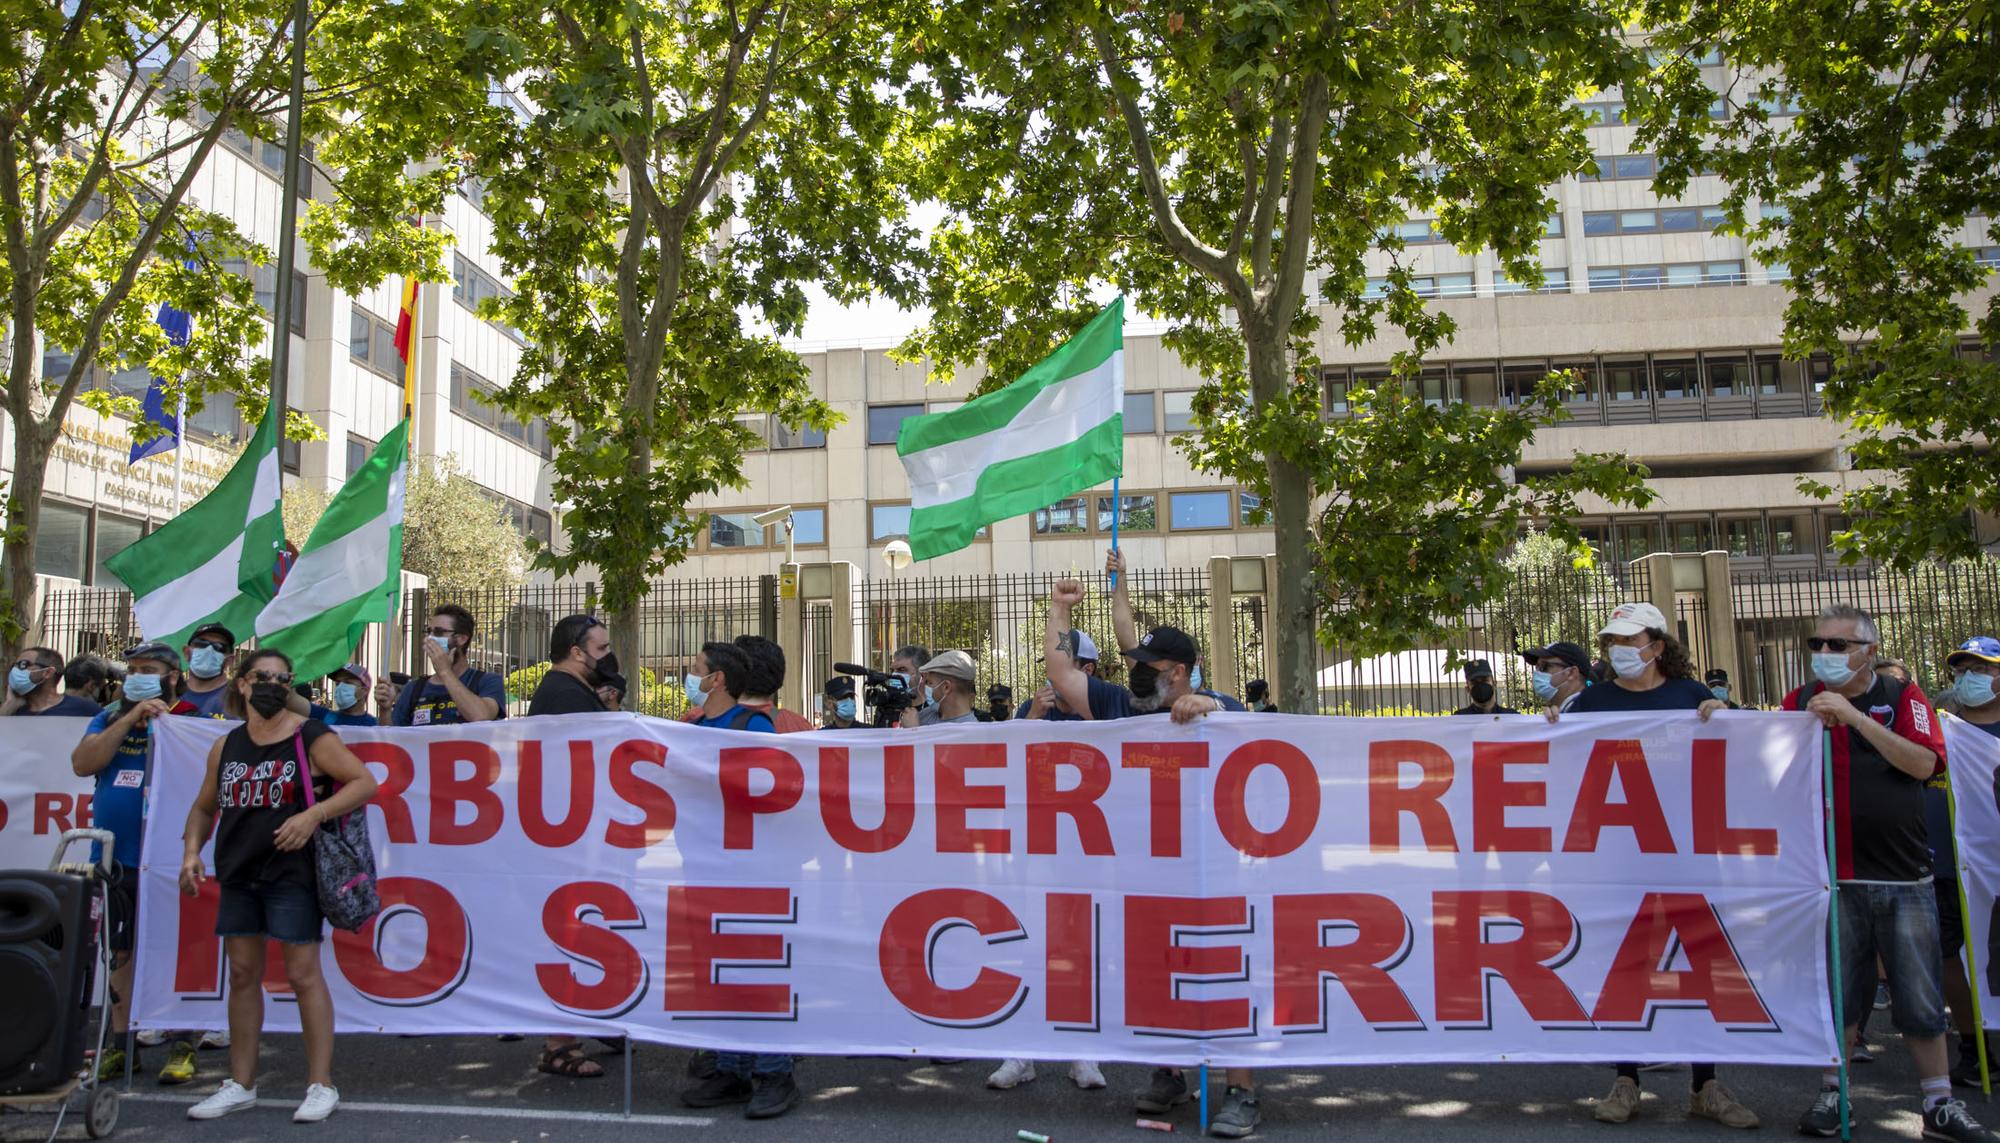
(255, 784)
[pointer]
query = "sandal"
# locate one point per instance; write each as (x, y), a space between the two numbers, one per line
(570, 1061)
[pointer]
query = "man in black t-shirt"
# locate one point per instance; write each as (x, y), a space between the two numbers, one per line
(1479, 687)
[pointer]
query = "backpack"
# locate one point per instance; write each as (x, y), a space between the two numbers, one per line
(743, 715)
(343, 861)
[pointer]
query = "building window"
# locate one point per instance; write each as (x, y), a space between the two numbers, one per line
(1667, 220)
(1250, 510)
(61, 540)
(1608, 279)
(734, 530)
(264, 287)
(783, 436)
(1791, 535)
(1336, 392)
(1676, 378)
(1179, 411)
(1612, 168)
(1635, 541)
(1414, 231)
(472, 397)
(372, 342)
(1067, 517)
(808, 526)
(1689, 537)
(1727, 376)
(1138, 413)
(885, 421)
(114, 535)
(1137, 512)
(1197, 511)
(1605, 113)
(1627, 381)
(1743, 539)
(1520, 379)
(888, 522)
(358, 451)
(472, 285)
(1555, 280)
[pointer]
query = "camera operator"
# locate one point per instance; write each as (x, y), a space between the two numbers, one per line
(838, 710)
(908, 662)
(948, 680)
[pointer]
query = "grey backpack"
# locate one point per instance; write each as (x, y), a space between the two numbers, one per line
(343, 861)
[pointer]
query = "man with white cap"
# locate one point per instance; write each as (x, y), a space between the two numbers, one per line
(948, 679)
(1652, 672)
(1049, 706)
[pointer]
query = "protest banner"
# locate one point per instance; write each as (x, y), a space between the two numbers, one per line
(1975, 789)
(40, 796)
(1247, 890)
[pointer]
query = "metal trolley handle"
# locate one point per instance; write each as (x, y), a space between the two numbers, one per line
(104, 837)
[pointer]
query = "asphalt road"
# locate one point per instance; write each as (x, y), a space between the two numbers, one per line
(474, 1089)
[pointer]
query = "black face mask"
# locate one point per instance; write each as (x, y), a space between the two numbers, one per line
(1482, 692)
(605, 668)
(1145, 680)
(268, 699)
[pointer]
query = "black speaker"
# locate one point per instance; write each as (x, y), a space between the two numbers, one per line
(47, 946)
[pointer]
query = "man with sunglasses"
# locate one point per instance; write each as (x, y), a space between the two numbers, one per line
(456, 691)
(31, 687)
(207, 655)
(1886, 743)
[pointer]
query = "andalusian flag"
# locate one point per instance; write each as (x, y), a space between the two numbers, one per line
(348, 575)
(1056, 431)
(217, 562)
(406, 344)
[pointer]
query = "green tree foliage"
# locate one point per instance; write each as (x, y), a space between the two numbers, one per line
(654, 172)
(1213, 162)
(1863, 159)
(661, 700)
(1941, 603)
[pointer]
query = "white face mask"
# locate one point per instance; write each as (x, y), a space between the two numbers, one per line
(441, 642)
(1628, 662)
(1973, 688)
(1832, 668)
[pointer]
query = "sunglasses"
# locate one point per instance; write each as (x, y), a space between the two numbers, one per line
(1839, 645)
(30, 665)
(442, 632)
(211, 645)
(281, 677)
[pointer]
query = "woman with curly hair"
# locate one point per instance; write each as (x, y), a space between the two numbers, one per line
(1651, 671)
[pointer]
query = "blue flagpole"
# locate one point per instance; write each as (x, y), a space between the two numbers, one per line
(1117, 510)
(1833, 933)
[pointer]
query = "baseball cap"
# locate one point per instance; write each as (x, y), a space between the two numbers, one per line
(952, 664)
(840, 687)
(1716, 675)
(1569, 653)
(1632, 618)
(158, 652)
(359, 672)
(1165, 645)
(1479, 669)
(214, 629)
(1984, 648)
(1086, 649)
(999, 691)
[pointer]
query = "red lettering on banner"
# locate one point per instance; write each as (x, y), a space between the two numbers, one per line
(1154, 958)
(1493, 793)
(1166, 760)
(696, 943)
(655, 803)
(398, 771)
(1714, 978)
(1301, 798)
(1465, 961)
(1046, 803)
(1304, 963)
(198, 952)
(1710, 786)
(449, 791)
(447, 945)
(1070, 960)
(622, 970)
(582, 795)
(740, 807)
(909, 943)
(54, 813)
(1389, 799)
(955, 797)
(899, 800)
(1640, 812)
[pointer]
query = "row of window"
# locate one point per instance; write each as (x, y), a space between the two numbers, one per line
(1145, 414)
(739, 530)
(1688, 375)
(1675, 275)
(1424, 231)
(1611, 112)
(527, 519)
(773, 433)
(74, 541)
(371, 342)
(1199, 510)
(472, 285)
(1665, 220)
(1554, 280)
(472, 398)
(1802, 535)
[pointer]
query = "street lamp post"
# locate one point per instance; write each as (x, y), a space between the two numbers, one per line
(897, 556)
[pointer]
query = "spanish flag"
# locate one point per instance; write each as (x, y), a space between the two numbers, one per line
(406, 344)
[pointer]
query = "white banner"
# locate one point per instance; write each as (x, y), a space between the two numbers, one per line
(40, 796)
(1247, 890)
(1975, 791)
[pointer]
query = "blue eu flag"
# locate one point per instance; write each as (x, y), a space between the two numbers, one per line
(178, 325)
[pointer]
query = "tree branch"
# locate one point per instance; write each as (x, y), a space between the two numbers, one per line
(1273, 188)
(755, 119)
(1299, 207)
(1178, 237)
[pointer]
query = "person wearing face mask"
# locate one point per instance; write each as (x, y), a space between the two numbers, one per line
(948, 679)
(255, 785)
(1652, 672)
(715, 688)
(455, 691)
(1971, 698)
(1717, 681)
(1479, 687)
(350, 699)
(908, 662)
(838, 708)
(31, 687)
(1045, 704)
(89, 678)
(583, 673)
(207, 656)
(765, 679)
(1257, 695)
(1561, 672)
(1886, 743)
(114, 753)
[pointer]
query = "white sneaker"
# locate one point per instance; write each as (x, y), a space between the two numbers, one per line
(214, 1039)
(320, 1102)
(1084, 1074)
(231, 1096)
(150, 1038)
(1011, 1073)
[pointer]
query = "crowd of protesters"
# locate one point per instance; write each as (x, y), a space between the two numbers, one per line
(1900, 923)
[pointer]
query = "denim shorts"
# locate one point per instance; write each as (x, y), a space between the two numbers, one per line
(284, 911)
(1951, 921)
(1899, 923)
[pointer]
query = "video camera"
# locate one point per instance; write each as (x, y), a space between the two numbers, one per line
(888, 695)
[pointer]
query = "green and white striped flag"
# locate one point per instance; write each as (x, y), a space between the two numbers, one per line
(1056, 431)
(216, 562)
(350, 569)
